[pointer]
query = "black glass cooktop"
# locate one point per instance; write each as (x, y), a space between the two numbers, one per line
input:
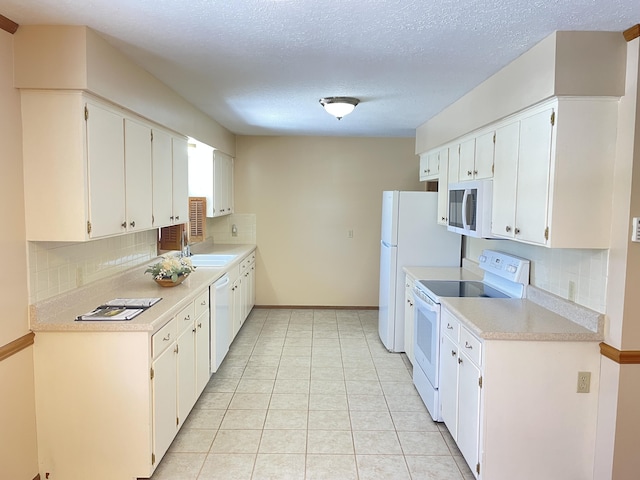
(461, 288)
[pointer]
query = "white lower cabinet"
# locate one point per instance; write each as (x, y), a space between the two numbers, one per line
(409, 316)
(512, 405)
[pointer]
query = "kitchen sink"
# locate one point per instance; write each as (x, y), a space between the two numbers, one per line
(211, 260)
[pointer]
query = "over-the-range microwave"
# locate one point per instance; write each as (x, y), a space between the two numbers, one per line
(470, 208)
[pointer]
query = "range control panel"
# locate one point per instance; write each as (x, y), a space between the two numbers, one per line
(509, 267)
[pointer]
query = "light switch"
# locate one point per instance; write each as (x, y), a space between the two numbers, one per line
(635, 229)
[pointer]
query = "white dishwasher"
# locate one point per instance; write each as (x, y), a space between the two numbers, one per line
(220, 331)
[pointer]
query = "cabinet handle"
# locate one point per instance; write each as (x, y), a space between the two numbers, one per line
(468, 173)
(466, 345)
(176, 349)
(171, 217)
(410, 304)
(166, 339)
(204, 302)
(194, 330)
(475, 172)
(508, 228)
(133, 224)
(453, 353)
(199, 324)
(187, 318)
(517, 231)
(449, 327)
(123, 224)
(177, 217)
(459, 360)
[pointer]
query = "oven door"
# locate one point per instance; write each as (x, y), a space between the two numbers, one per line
(427, 335)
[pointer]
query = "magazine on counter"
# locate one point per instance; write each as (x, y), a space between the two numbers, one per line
(119, 309)
(105, 312)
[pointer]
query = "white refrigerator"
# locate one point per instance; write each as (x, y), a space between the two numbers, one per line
(410, 237)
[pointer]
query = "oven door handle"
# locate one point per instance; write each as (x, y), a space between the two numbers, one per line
(426, 304)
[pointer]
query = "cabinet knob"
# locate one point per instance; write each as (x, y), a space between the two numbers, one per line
(468, 173)
(123, 224)
(508, 228)
(193, 330)
(442, 218)
(459, 360)
(171, 217)
(133, 224)
(177, 217)
(475, 172)
(517, 231)
(453, 353)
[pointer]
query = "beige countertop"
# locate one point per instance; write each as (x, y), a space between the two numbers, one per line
(58, 314)
(540, 317)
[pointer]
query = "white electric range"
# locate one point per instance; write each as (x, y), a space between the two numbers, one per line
(505, 276)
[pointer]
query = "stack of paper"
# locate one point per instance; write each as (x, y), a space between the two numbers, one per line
(119, 309)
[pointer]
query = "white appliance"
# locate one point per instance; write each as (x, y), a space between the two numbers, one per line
(505, 276)
(410, 236)
(220, 333)
(470, 208)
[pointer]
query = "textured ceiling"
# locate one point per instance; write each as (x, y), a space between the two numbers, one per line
(259, 67)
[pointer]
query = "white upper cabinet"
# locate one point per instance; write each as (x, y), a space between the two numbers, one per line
(430, 165)
(170, 179)
(211, 176)
(138, 181)
(541, 157)
(448, 167)
(476, 157)
(223, 184)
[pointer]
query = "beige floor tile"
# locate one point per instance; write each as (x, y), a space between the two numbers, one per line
(463, 467)
(264, 360)
(270, 466)
(183, 466)
(298, 339)
(291, 361)
(289, 401)
(329, 420)
(255, 385)
(292, 372)
(398, 388)
(214, 401)
(364, 420)
(286, 419)
(283, 441)
(260, 372)
(394, 374)
(414, 422)
(285, 385)
(193, 440)
(221, 384)
(369, 403)
(236, 441)
(244, 420)
(326, 361)
(423, 443)
(228, 466)
(320, 342)
(327, 402)
(327, 373)
(250, 401)
(325, 467)
(433, 467)
(296, 351)
(367, 374)
(204, 418)
(327, 387)
(382, 467)
(363, 387)
(405, 403)
(376, 442)
(330, 441)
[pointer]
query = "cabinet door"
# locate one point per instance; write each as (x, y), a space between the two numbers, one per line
(105, 152)
(162, 179)
(449, 384)
(504, 180)
(252, 287)
(202, 353)
(484, 156)
(180, 180)
(164, 401)
(424, 166)
(186, 373)
(236, 307)
(468, 437)
(138, 178)
(534, 158)
(408, 318)
(467, 159)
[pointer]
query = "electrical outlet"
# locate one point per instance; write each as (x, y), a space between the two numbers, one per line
(584, 382)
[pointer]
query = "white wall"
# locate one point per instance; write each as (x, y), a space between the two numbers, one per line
(18, 448)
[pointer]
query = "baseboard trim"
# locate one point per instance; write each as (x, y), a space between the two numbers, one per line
(315, 307)
(17, 345)
(623, 357)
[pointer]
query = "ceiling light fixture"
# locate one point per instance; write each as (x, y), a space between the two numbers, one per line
(339, 106)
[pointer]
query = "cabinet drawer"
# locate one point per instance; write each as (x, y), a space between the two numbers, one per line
(471, 346)
(185, 318)
(450, 325)
(163, 338)
(201, 303)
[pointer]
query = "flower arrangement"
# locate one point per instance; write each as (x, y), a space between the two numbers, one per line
(172, 267)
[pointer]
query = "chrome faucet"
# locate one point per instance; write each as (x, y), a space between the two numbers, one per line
(184, 244)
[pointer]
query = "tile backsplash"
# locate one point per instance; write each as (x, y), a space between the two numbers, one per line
(220, 228)
(574, 274)
(56, 267)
